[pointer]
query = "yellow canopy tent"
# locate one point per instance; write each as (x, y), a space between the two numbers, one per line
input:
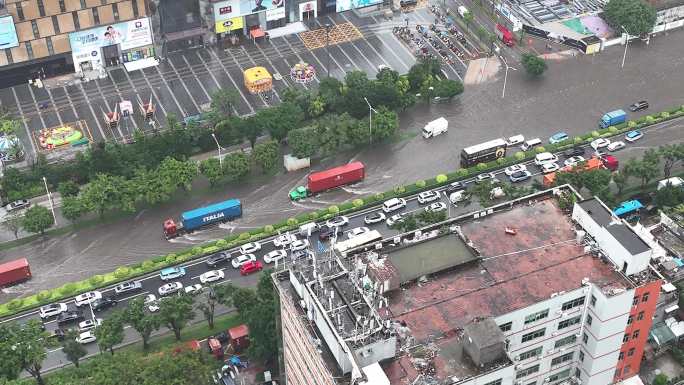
(258, 79)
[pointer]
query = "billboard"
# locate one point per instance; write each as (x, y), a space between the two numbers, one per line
(346, 5)
(230, 25)
(225, 10)
(8, 33)
(129, 34)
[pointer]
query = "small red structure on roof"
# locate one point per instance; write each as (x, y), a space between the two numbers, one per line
(239, 337)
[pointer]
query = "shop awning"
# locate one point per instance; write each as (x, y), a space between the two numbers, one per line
(257, 33)
(140, 64)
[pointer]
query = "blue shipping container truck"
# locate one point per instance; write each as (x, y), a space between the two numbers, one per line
(203, 216)
(613, 118)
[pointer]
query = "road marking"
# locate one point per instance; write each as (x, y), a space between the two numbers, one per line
(26, 127)
(180, 78)
(376, 52)
(327, 50)
(147, 80)
(54, 106)
(373, 65)
(243, 70)
(106, 103)
(173, 96)
(225, 70)
(339, 46)
(40, 114)
(92, 111)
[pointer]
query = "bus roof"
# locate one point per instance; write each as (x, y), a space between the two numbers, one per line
(359, 240)
(484, 146)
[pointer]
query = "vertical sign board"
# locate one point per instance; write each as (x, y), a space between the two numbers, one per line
(8, 32)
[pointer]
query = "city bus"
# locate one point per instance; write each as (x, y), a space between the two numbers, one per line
(357, 241)
(483, 152)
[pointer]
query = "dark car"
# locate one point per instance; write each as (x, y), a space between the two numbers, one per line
(326, 232)
(408, 3)
(638, 106)
(128, 287)
(103, 303)
(453, 187)
(217, 258)
(70, 316)
(59, 334)
(575, 151)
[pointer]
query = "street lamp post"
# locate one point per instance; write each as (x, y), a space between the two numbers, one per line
(218, 146)
(503, 91)
(624, 56)
(52, 206)
(370, 120)
(327, 47)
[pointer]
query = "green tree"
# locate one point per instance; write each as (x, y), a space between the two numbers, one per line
(175, 312)
(141, 320)
(636, 16)
(448, 88)
(244, 299)
(211, 168)
(13, 223)
(23, 348)
(596, 181)
(669, 196)
(387, 76)
(409, 223)
(302, 142)
(37, 219)
(641, 169)
(278, 121)
(176, 173)
(672, 154)
(381, 94)
(250, 128)
(235, 166)
(660, 379)
(104, 193)
(68, 188)
(261, 319)
(333, 132)
(213, 295)
(186, 367)
(385, 124)
(330, 89)
(534, 65)
(431, 217)
(223, 101)
(620, 179)
(111, 332)
(72, 349)
(468, 19)
(266, 155)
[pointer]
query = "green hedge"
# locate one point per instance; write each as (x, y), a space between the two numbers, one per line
(127, 272)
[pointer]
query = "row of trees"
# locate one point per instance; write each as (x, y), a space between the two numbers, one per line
(24, 347)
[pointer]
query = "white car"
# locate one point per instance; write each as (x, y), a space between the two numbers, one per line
(52, 310)
(549, 168)
(436, 207)
(515, 140)
(151, 303)
(459, 196)
(600, 143)
(283, 240)
(275, 255)
(393, 204)
(545, 157)
(249, 248)
(427, 197)
(614, 146)
(573, 161)
(170, 288)
(211, 276)
(515, 168)
(356, 232)
(338, 221)
(487, 176)
(633, 136)
(86, 337)
(242, 259)
(193, 289)
(86, 298)
(374, 218)
(391, 221)
(299, 245)
(88, 324)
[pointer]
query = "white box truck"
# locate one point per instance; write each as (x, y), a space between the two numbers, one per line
(435, 127)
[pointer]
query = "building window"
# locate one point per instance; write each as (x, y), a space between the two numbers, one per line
(589, 319)
(561, 359)
(635, 301)
(593, 300)
(630, 319)
(134, 4)
(532, 383)
(83, 4)
(48, 42)
(640, 316)
(626, 370)
(558, 376)
(565, 341)
(621, 356)
(55, 24)
(534, 317)
(644, 298)
(96, 16)
(29, 50)
(635, 334)
(585, 338)
(41, 8)
(581, 356)
(630, 352)
(34, 26)
(625, 338)
(574, 303)
(115, 9)
(62, 6)
(530, 353)
(533, 335)
(569, 322)
(20, 12)
(77, 24)
(506, 327)
(578, 373)
(526, 372)
(495, 382)
(10, 59)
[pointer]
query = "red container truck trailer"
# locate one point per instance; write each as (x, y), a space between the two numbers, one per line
(328, 179)
(14, 272)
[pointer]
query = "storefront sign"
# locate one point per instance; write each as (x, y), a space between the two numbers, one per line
(345, 5)
(275, 14)
(230, 25)
(309, 6)
(130, 34)
(8, 33)
(226, 10)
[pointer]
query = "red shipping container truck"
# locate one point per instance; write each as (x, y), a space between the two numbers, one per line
(328, 179)
(14, 272)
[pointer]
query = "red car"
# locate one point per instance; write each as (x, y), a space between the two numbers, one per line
(250, 267)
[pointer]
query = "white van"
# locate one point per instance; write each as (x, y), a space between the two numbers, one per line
(307, 229)
(435, 127)
(531, 143)
(515, 140)
(393, 204)
(462, 10)
(544, 158)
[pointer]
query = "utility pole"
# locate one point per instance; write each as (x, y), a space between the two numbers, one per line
(370, 120)
(327, 46)
(624, 56)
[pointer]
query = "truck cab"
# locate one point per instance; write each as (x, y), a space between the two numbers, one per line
(298, 193)
(505, 35)
(170, 228)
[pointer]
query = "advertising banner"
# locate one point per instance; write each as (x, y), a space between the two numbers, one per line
(230, 25)
(130, 34)
(226, 10)
(275, 14)
(346, 5)
(309, 6)
(8, 32)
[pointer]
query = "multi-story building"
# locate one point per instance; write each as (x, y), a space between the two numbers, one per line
(521, 293)
(49, 37)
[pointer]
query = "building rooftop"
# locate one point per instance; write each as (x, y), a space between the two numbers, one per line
(622, 232)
